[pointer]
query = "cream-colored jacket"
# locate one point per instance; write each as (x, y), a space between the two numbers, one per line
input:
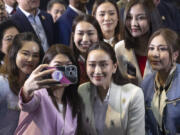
(124, 56)
(125, 109)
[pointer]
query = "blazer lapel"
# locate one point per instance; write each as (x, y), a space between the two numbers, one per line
(26, 25)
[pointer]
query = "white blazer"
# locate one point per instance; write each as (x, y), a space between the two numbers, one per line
(126, 103)
(124, 56)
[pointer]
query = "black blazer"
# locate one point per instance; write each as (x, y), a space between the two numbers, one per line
(24, 25)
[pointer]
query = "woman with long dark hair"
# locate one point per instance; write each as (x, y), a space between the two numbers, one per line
(48, 107)
(24, 55)
(112, 105)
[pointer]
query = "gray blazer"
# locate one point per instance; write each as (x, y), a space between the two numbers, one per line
(128, 103)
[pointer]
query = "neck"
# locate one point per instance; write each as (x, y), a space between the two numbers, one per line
(162, 77)
(102, 92)
(58, 93)
(108, 35)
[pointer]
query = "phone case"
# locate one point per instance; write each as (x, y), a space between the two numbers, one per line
(65, 74)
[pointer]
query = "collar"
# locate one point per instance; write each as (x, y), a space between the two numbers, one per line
(9, 9)
(106, 99)
(79, 12)
(27, 14)
(158, 87)
(109, 41)
(81, 58)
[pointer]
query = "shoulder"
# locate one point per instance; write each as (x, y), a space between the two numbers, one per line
(84, 87)
(147, 80)
(128, 89)
(120, 44)
(4, 81)
(134, 90)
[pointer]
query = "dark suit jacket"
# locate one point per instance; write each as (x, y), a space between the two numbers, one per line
(24, 25)
(63, 26)
(170, 16)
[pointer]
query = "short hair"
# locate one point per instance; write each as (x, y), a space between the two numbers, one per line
(52, 2)
(117, 29)
(153, 17)
(3, 27)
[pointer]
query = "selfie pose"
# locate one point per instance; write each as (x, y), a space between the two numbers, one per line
(112, 106)
(23, 57)
(49, 107)
(161, 89)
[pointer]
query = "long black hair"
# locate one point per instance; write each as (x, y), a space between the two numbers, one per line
(70, 94)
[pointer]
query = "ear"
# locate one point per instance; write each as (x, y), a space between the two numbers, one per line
(114, 68)
(175, 56)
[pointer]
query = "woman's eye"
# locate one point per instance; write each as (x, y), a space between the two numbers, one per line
(111, 13)
(163, 49)
(150, 48)
(80, 33)
(101, 14)
(92, 65)
(103, 64)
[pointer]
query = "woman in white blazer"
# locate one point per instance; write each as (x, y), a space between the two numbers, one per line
(140, 20)
(112, 106)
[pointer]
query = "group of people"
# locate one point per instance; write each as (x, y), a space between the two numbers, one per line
(127, 70)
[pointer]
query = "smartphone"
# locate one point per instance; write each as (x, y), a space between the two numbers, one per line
(131, 70)
(64, 74)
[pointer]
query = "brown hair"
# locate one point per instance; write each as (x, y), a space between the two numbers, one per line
(153, 17)
(171, 38)
(10, 68)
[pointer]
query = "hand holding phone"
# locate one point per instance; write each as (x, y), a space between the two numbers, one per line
(65, 74)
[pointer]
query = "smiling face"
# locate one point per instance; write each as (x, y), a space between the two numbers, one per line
(158, 54)
(84, 36)
(28, 57)
(107, 17)
(137, 21)
(100, 68)
(8, 37)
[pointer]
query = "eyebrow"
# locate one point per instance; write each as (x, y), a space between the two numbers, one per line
(85, 30)
(103, 61)
(158, 45)
(29, 51)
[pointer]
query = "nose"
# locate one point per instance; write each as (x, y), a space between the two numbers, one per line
(85, 37)
(134, 22)
(106, 17)
(30, 58)
(155, 52)
(98, 70)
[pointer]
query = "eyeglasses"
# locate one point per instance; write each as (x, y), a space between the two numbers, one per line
(9, 38)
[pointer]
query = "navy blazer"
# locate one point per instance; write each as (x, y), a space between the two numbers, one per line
(24, 25)
(63, 26)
